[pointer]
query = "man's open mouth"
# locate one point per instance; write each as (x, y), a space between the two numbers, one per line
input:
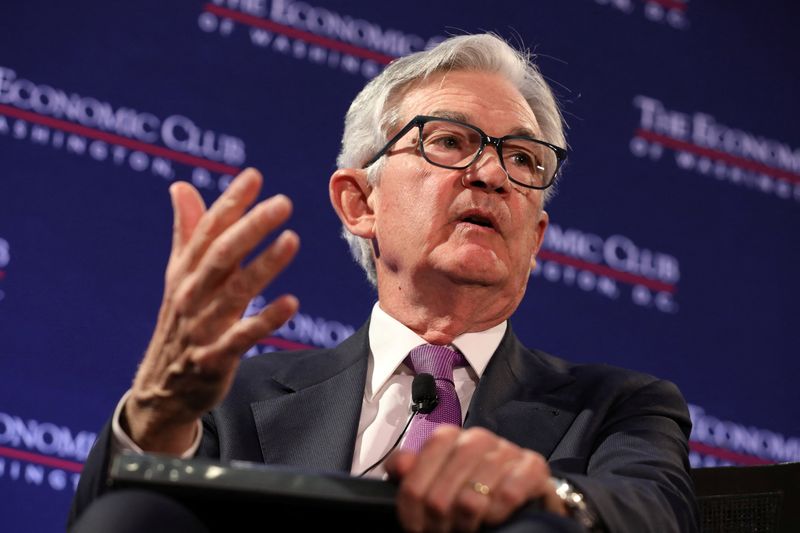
(478, 219)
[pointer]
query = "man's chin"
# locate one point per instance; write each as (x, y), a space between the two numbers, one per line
(477, 269)
(480, 263)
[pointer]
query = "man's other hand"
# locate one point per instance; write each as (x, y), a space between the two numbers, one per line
(200, 335)
(463, 479)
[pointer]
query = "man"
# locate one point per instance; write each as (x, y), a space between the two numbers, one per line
(446, 160)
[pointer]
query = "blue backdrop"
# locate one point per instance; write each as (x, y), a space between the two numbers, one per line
(673, 246)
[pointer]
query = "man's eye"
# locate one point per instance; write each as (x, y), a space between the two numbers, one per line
(449, 142)
(522, 159)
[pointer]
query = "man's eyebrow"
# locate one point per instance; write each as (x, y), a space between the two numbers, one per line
(451, 115)
(461, 117)
(525, 132)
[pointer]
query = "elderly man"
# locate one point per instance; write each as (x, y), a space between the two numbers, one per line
(447, 159)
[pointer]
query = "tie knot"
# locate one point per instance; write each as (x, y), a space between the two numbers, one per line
(436, 360)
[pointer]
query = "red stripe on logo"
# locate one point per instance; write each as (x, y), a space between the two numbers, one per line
(284, 344)
(45, 460)
(111, 138)
(625, 277)
(734, 457)
(669, 4)
(740, 162)
(265, 24)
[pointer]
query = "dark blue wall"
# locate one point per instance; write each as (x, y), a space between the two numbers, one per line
(674, 246)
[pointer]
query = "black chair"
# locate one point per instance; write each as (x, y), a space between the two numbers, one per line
(749, 499)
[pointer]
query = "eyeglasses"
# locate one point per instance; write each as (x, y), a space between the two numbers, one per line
(447, 143)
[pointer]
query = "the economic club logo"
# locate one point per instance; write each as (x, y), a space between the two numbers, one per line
(612, 267)
(701, 144)
(671, 13)
(718, 442)
(313, 34)
(41, 453)
(301, 332)
(171, 147)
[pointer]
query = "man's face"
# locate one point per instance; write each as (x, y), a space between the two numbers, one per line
(432, 221)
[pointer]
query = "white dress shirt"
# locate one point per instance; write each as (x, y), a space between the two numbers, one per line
(386, 405)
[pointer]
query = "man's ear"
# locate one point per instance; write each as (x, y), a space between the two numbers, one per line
(350, 196)
(541, 227)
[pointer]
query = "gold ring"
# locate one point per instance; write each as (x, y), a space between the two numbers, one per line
(480, 488)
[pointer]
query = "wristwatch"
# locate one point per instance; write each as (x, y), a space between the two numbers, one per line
(576, 504)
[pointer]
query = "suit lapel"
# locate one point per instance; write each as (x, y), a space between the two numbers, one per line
(523, 397)
(313, 424)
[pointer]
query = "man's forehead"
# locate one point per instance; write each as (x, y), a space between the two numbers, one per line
(467, 118)
(475, 97)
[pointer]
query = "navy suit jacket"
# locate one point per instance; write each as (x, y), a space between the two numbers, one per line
(619, 436)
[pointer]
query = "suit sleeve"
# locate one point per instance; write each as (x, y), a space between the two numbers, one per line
(637, 475)
(94, 476)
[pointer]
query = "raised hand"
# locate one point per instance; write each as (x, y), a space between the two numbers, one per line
(200, 334)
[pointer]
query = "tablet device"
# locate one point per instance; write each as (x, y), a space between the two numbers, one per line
(222, 494)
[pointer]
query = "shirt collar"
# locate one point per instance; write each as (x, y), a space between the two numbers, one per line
(390, 341)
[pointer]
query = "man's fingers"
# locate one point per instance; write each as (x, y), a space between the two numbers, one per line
(229, 249)
(244, 285)
(471, 447)
(481, 462)
(187, 208)
(462, 479)
(263, 269)
(240, 287)
(413, 497)
(527, 480)
(226, 210)
(399, 463)
(220, 286)
(245, 333)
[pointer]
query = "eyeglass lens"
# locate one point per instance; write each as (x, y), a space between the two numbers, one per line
(456, 145)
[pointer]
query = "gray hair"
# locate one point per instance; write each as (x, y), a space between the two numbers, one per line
(375, 111)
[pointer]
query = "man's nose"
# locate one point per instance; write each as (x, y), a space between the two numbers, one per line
(487, 173)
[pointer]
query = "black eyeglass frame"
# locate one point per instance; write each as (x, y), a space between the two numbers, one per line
(420, 120)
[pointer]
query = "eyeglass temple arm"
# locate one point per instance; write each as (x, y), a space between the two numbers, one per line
(391, 142)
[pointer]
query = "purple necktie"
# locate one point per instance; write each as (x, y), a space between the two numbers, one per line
(438, 361)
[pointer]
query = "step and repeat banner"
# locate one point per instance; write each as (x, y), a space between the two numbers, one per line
(673, 247)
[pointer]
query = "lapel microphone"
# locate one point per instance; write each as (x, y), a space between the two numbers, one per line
(423, 393)
(423, 400)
